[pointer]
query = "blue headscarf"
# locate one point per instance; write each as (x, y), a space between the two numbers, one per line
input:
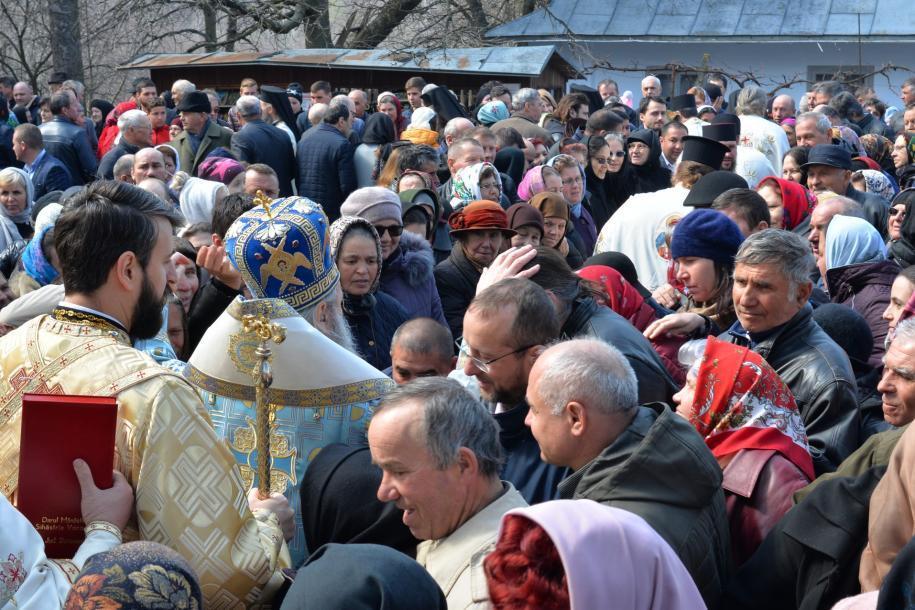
(34, 261)
(492, 112)
(852, 241)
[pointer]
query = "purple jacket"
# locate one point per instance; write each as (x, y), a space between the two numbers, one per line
(866, 289)
(407, 276)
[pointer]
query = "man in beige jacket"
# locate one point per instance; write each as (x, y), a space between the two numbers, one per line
(439, 451)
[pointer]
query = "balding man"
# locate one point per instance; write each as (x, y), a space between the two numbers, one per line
(421, 347)
(148, 163)
(123, 169)
(585, 415)
(156, 187)
(651, 86)
(455, 129)
(259, 142)
(46, 172)
(462, 153)
(360, 102)
(26, 106)
(180, 88)
(136, 133)
(782, 108)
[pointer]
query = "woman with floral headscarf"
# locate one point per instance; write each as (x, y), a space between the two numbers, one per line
(373, 316)
(790, 204)
(874, 181)
(751, 424)
(476, 182)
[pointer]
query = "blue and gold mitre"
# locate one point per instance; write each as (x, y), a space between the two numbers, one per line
(282, 250)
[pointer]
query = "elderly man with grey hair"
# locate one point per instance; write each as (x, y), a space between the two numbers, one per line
(771, 289)
(439, 453)
(136, 133)
(527, 107)
(260, 142)
(758, 132)
(584, 413)
(812, 129)
(180, 88)
(651, 86)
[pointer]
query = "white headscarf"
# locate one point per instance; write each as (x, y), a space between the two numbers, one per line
(197, 199)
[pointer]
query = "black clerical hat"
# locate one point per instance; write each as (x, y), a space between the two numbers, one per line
(703, 150)
(709, 186)
(681, 102)
(721, 132)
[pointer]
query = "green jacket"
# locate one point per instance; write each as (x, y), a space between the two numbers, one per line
(660, 469)
(214, 137)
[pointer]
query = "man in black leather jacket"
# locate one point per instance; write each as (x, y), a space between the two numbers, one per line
(771, 289)
(66, 140)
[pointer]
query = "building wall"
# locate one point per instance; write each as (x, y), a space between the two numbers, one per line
(771, 62)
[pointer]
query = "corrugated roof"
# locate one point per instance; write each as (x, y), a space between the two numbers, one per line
(725, 20)
(523, 61)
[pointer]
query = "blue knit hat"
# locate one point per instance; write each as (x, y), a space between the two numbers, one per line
(706, 233)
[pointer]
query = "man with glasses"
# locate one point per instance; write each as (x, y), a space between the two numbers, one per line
(506, 327)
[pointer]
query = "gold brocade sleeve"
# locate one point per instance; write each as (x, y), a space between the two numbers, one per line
(190, 496)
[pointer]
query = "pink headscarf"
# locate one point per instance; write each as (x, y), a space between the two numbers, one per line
(531, 183)
(609, 553)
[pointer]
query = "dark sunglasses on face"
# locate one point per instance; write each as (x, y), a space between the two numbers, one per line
(393, 230)
(894, 211)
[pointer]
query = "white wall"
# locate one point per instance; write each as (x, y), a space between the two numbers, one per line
(772, 62)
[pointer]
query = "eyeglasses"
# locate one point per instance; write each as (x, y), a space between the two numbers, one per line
(571, 181)
(894, 211)
(483, 365)
(392, 230)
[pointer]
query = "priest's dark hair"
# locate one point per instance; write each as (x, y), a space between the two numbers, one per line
(101, 222)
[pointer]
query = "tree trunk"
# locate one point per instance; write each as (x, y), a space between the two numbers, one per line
(209, 27)
(317, 25)
(231, 32)
(389, 16)
(66, 45)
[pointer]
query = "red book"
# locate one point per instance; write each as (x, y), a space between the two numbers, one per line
(56, 430)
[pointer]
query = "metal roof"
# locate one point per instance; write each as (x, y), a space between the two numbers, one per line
(522, 61)
(722, 20)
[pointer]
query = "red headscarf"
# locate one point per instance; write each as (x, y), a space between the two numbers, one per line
(870, 163)
(797, 201)
(399, 122)
(624, 299)
(741, 403)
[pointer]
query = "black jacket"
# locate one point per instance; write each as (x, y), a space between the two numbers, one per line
(258, 142)
(69, 143)
(588, 319)
(7, 156)
(456, 279)
(208, 304)
(818, 373)
(532, 477)
(660, 469)
(50, 175)
(106, 165)
(373, 318)
(327, 173)
(810, 558)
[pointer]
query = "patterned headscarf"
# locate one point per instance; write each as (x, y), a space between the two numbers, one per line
(338, 230)
(135, 576)
(741, 403)
(624, 299)
(851, 138)
(466, 184)
(877, 147)
(878, 183)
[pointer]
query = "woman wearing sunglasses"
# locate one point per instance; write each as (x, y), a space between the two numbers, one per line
(406, 259)
(608, 176)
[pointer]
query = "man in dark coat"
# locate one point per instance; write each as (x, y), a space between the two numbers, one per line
(259, 142)
(506, 327)
(324, 155)
(585, 415)
(66, 140)
(136, 133)
(769, 266)
(201, 136)
(46, 171)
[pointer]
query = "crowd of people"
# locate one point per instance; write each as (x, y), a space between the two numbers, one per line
(525, 354)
